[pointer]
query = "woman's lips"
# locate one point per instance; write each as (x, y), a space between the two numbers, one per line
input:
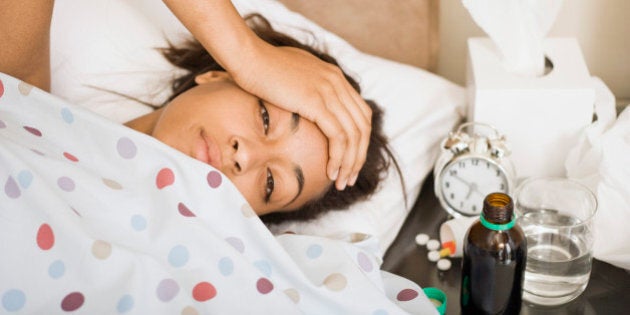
(207, 151)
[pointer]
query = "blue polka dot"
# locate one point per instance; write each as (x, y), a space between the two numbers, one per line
(226, 267)
(67, 116)
(178, 256)
(380, 312)
(25, 178)
(125, 304)
(57, 269)
(264, 267)
(314, 251)
(138, 222)
(13, 300)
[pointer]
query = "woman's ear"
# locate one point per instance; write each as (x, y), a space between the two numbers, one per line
(212, 76)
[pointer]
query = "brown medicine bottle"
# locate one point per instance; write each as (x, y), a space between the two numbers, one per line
(493, 266)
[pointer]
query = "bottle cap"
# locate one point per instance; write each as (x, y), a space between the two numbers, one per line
(438, 298)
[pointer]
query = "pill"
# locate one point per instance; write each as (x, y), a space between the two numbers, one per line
(433, 255)
(422, 239)
(444, 264)
(433, 245)
(450, 245)
(445, 252)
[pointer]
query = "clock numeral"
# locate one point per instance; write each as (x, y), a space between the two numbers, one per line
(461, 164)
(447, 184)
(474, 208)
(487, 164)
(461, 204)
(452, 196)
(475, 162)
(502, 187)
(498, 173)
(452, 172)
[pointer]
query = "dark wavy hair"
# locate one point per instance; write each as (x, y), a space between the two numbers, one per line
(192, 57)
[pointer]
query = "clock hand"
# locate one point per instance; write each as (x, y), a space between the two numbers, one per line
(471, 187)
(462, 180)
(474, 188)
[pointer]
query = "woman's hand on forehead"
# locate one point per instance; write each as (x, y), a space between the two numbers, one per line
(290, 78)
(297, 81)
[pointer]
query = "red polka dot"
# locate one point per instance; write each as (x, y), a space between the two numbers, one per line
(214, 179)
(70, 157)
(183, 210)
(34, 131)
(72, 301)
(1, 88)
(264, 286)
(45, 237)
(407, 295)
(165, 177)
(204, 291)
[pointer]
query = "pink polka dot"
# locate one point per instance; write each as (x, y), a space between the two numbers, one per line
(167, 290)
(34, 131)
(37, 152)
(126, 148)
(264, 286)
(407, 295)
(214, 179)
(11, 188)
(364, 262)
(2, 124)
(165, 177)
(66, 183)
(204, 291)
(72, 301)
(45, 237)
(237, 243)
(75, 212)
(70, 157)
(183, 210)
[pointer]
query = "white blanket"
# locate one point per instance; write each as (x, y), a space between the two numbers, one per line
(99, 219)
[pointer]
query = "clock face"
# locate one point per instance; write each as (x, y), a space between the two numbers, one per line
(467, 181)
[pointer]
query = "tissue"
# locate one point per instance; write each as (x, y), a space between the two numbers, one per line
(517, 28)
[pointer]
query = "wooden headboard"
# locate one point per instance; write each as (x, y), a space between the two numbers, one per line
(401, 30)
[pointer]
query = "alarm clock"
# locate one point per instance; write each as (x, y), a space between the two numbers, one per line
(473, 163)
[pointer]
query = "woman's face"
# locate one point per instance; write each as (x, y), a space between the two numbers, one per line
(276, 159)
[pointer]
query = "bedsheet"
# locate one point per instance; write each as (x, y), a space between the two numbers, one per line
(98, 218)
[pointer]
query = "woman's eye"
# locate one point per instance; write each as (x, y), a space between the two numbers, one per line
(264, 114)
(268, 186)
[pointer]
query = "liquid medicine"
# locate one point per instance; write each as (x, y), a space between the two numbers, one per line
(495, 250)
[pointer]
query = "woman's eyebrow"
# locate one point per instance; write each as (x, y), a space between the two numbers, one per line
(297, 170)
(299, 176)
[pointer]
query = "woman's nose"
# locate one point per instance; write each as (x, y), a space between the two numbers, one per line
(247, 154)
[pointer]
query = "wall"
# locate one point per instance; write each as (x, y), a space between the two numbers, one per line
(602, 28)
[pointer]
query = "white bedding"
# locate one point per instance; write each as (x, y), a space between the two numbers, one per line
(97, 218)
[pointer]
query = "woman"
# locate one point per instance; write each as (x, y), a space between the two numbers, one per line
(313, 89)
(276, 159)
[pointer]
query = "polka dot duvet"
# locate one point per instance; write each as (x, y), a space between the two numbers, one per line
(96, 218)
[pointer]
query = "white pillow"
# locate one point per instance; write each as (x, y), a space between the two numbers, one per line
(420, 107)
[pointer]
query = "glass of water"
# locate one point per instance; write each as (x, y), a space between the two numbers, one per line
(556, 215)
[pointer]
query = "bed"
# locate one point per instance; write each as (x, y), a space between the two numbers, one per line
(391, 63)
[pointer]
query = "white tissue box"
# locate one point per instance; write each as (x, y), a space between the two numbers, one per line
(541, 117)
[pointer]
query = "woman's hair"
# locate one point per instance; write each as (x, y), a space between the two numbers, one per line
(192, 57)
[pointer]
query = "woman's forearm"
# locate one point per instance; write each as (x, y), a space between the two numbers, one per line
(219, 28)
(25, 39)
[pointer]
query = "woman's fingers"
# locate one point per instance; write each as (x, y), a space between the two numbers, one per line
(358, 131)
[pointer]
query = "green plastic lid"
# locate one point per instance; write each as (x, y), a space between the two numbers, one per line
(438, 298)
